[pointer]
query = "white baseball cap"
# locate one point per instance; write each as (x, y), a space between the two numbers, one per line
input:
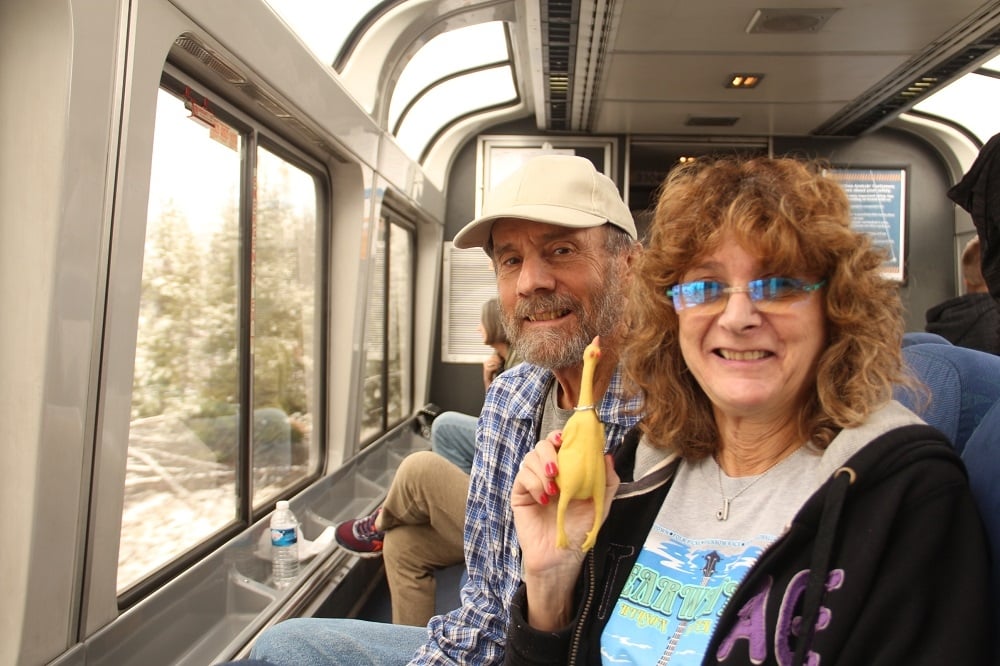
(564, 190)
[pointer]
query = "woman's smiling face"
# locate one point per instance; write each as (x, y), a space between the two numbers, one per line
(752, 363)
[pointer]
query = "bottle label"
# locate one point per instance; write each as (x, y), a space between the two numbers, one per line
(283, 536)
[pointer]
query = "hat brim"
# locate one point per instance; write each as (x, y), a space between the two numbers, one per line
(477, 233)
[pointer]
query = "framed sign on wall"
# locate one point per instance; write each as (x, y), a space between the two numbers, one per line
(498, 156)
(878, 208)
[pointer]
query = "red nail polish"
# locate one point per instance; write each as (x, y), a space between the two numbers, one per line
(551, 488)
(544, 499)
(551, 469)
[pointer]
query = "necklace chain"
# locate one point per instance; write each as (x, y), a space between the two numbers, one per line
(723, 512)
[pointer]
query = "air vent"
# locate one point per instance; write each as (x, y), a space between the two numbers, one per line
(559, 29)
(597, 33)
(297, 125)
(209, 58)
(712, 121)
(265, 100)
(772, 20)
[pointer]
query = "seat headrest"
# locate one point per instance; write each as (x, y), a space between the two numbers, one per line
(964, 384)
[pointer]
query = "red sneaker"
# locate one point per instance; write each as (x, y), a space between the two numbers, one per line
(361, 536)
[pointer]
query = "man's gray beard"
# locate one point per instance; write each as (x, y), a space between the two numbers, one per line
(555, 349)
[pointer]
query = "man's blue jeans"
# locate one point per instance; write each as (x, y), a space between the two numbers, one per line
(338, 642)
(453, 436)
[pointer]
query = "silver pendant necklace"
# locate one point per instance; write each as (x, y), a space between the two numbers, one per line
(723, 512)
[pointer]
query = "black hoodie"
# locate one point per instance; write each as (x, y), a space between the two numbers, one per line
(979, 193)
(899, 534)
(972, 321)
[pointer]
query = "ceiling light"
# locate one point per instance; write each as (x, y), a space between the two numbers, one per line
(744, 80)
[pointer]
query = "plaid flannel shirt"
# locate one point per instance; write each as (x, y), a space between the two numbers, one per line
(475, 633)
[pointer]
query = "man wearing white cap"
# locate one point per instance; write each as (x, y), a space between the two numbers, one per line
(562, 244)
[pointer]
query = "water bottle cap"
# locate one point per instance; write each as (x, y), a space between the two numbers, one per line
(282, 505)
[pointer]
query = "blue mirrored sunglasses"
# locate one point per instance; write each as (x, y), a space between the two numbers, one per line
(766, 293)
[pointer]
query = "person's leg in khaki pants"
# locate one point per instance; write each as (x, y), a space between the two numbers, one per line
(423, 517)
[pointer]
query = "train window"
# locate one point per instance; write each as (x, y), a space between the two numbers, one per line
(284, 287)
(480, 44)
(323, 25)
(388, 379)
(962, 101)
(227, 317)
(437, 88)
(461, 95)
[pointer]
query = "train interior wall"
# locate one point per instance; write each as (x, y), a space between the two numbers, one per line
(930, 265)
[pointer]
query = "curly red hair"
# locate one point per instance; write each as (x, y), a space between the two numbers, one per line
(788, 211)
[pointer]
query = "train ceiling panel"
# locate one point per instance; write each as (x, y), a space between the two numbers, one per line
(648, 66)
(703, 78)
(676, 118)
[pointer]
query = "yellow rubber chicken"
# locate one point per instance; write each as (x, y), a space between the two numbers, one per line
(581, 455)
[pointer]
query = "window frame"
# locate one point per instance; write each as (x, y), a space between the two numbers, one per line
(257, 133)
(388, 216)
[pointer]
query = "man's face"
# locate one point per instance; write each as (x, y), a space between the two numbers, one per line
(557, 287)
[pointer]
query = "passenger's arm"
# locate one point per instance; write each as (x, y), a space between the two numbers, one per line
(928, 604)
(492, 367)
(526, 646)
(925, 581)
(550, 572)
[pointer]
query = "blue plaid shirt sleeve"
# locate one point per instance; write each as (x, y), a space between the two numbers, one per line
(475, 633)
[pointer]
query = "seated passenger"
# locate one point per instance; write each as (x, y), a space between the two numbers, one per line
(778, 507)
(972, 319)
(424, 507)
(978, 193)
(563, 243)
(453, 434)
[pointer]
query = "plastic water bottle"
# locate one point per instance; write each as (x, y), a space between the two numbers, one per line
(284, 545)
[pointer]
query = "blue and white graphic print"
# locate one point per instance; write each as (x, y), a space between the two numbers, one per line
(673, 598)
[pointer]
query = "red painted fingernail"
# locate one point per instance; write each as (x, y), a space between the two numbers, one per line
(544, 499)
(551, 469)
(559, 438)
(552, 488)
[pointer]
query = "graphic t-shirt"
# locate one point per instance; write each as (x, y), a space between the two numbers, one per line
(692, 562)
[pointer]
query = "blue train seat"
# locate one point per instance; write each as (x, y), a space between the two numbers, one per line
(981, 459)
(922, 337)
(965, 405)
(964, 384)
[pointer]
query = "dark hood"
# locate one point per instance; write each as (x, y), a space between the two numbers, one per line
(972, 320)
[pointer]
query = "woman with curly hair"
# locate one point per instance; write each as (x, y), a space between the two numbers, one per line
(775, 505)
